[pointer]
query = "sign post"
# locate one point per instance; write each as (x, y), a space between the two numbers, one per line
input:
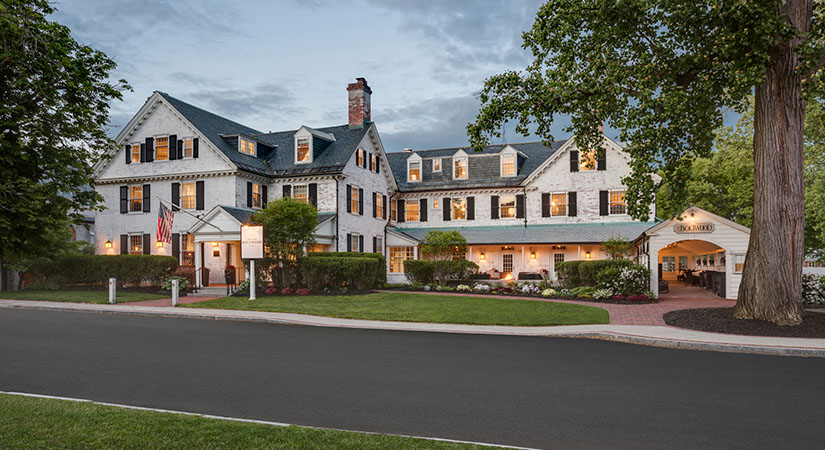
(175, 292)
(112, 290)
(252, 248)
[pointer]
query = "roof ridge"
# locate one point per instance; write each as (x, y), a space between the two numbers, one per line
(467, 147)
(169, 97)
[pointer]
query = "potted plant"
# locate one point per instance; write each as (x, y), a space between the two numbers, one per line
(229, 275)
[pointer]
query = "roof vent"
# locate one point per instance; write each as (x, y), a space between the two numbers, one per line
(408, 150)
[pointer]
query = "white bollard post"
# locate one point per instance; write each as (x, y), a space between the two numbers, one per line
(252, 279)
(175, 286)
(112, 290)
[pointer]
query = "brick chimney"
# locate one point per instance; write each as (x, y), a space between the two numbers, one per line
(358, 94)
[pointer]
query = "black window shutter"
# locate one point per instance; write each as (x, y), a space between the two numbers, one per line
(199, 193)
(147, 249)
(571, 204)
(447, 207)
(374, 205)
(603, 206)
(349, 198)
(349, 242)
(494, 206)
(287, 190)
(173, 146)
(263, 195)
(180, 148)
(602, 162)
(176, 246)
(383, 206)
(545, 205)
(401, 205)
(248, 194)
(124, 199)
(361, 243)
(520, 206)
(195, 148)
(313, 194)
(471, 208)
(124, 244)
(374, 245)
(175, 195)
(360, 201)
(574, 160)
(422, 210)
(147, 198)
(128, 149)
(142, 152)
(150, 149)
(377, 164)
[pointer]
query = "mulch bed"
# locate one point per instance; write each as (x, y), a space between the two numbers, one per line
(721, 320)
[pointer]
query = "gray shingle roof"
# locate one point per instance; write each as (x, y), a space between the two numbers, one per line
(483, 170)
(583, 233)
(243, 214)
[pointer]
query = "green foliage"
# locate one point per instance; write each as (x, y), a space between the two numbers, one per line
(584, 273)
(97, 269)
(442, 245)
(617, 247)
(61, 244)
(815, 179)
(632, 279)
(289, 226)
(380, 270)
(336, 273)
(183, 283)
(438, 271)
(54, 109)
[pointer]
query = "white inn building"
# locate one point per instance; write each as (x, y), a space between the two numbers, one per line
(522, 207)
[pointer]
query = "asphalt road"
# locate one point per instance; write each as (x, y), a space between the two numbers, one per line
(536, 392)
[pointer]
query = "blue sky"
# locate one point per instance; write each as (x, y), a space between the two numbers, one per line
(282, 64)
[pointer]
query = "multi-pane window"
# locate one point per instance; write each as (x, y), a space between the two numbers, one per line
(187, 195)
(558, 204)
(300, 193)
(668, 263)
(360, 157)
(508, 165)
(507, 206)
(135, 244)
(459, 208)
(558, 258)
(247, 146)
(437, 165)
(393, 210)
(136, 198)
(256, 195)
(379, 206)
(372, 162)
(162, 148)
(355, 200)
(355, 241)
(617, 203)
(435, 203)
(587, 160)
(135, 153)
(397, 257)
(507, 263)
(187, 249)
(683, 262)
(414, 173)
(412, 211)
(379, 245)
(188, 151)
(460, 168)
(302, 152)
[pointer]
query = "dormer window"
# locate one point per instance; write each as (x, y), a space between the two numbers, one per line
(302, 151)
(414, 171)
(246, 146)
(508, 165)
(437, 165)
(460, 167)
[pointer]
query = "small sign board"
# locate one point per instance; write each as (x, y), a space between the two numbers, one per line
(252, 242)
(693, 228)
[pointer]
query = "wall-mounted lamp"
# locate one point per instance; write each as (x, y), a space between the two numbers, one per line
(107, 244)
(692, 216)
(159, 244)
(483, 256)
(587, 254)
(214, 244)
(532, 255)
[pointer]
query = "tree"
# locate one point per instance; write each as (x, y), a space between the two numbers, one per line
(617, 247)
(662, 72)
(289, 226)
(61, 243)
(443, 245)
(54, 107)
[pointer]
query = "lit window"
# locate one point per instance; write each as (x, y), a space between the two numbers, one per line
(437, 165)
(587, 160)
(617, 203)
(302, 153)
(379, 206)
(135, 244)
(355, 201)
(397, 257)
(247, 146)
(136, 198)
(558, 258)
(460, 165)
(414, 171)
(683, 262)
(435, 203)
(355, 242)
(360, 155)
(256, 195)
(187, 148)
(300, 193)
(507, 206)
(135, 153)
(412, 211)
(393, 209)
(187, 195)
(459, 209)
(508, 165)
(161, 148)
(187, 249)
(668, 263)
(558, 205)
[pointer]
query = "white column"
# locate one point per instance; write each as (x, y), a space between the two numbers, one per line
(198, 264)
(252, 279)
(654, 271)
(175, 294)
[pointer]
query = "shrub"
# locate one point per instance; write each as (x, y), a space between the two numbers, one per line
(583, 273)
(481, 287)
(340, 273)
(183, 283)
(583, 291)
(529, 289)
(380, 269)
(813, 289)
(548, 292)
(602, 294)
(428, 272)
(630, 280)
(97, 269)
(463, 288)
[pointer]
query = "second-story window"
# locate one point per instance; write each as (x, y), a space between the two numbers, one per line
(617, 202)
(460, 168)
(355, 200)
(412, 214)
(393, 209)
(135, 153)
(162, 148)
(459, 208)
(414, 171)
(508, 165)
(437, 165)
(507, 206)
(302, 152)
(187, 148)
(187, 195)
(300, 193)
(247, 146)
(256, 195)
(136, 198)
(558, 204)
(379, 206)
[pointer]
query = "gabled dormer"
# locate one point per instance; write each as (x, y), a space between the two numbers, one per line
(508, 162)
(414, 168)
(461, 165)
(247, 146)
(309, 143)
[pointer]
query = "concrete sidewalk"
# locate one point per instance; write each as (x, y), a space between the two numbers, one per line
(659, 336)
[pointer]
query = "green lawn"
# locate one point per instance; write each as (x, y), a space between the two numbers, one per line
(27, 422)
(77, 296)
(417, 307)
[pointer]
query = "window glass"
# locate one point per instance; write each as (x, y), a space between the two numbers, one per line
(360, 154)
(187, 249)
(412, 211)
(617, 204)
(437, 165)
(187, 148)
(738, 263)
(300, 193)
(379, 206)
(247, 147)
(507, 263)
(435, 203)
(415, 171)
(161, 148)
(459, 209)
(683, 262)
(587, 160)
(135, 244)
(668, 263)
(372, 163)
(136, 198)
(397, 257)
(354, 243)
(303, 150)
(355, 203)
(460, 168)
(558, 258)
(379, 245)
(507, 206)
(393, 209)
(256, 195)
(508, 165)
(135, 153)
(558, 205)
(187, 195)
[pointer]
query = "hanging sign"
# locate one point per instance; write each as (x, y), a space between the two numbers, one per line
(693, 228)
(252, 242)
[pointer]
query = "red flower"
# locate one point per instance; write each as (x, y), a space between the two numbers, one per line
(286, 291)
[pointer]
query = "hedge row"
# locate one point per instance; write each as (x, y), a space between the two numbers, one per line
(428, 272)
(380, 270)
(583, 273)
(97, 269)
(339, 273)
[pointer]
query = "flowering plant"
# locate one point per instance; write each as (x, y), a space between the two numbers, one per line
(481, 287)
(529, 289)
(230, 267)
(286, 291)
(548, 292)
(271, 291)
(462, 288)
(302, 291)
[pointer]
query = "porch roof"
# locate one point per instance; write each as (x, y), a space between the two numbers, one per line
(580, 233)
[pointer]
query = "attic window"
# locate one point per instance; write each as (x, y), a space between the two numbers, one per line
(508, 165)
(414, 171)
(460, 166)
(246, 146)
(302, 150)
(437, 165)
(587, 160)
(161, 148)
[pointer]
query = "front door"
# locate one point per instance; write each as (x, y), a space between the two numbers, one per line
(507, 263)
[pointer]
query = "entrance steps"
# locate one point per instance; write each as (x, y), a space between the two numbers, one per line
(211, 291)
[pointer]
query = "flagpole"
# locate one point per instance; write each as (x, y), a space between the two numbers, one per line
(186, 212)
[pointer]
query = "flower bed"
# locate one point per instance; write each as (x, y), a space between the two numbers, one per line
(584, 293)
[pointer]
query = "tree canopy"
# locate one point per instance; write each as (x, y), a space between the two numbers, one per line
(289, 226)
(443, 245)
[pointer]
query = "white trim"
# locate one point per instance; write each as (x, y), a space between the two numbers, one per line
(415, 159)
(254, 153)
(457, 156)
(440, 164)
(507, 152)
(298, 136)
(695, 209)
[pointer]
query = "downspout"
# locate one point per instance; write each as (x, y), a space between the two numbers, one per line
(337, 214)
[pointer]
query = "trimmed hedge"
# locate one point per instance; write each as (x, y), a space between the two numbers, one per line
(335, 273)
(428, 272)
(97, 269)
(583, 273)
(381, 269)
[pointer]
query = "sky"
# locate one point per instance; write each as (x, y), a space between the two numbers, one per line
(278, 65)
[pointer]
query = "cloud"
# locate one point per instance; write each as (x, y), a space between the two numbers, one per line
(258, 106)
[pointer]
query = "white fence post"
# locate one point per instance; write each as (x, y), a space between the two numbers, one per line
(175, 286)
(112, 290)
(252, 279)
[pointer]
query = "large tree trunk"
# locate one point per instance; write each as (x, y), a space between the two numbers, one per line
(771, 287)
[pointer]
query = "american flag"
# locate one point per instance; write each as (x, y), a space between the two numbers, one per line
(165, 218)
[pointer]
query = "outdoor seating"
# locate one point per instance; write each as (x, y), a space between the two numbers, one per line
(529, 276)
